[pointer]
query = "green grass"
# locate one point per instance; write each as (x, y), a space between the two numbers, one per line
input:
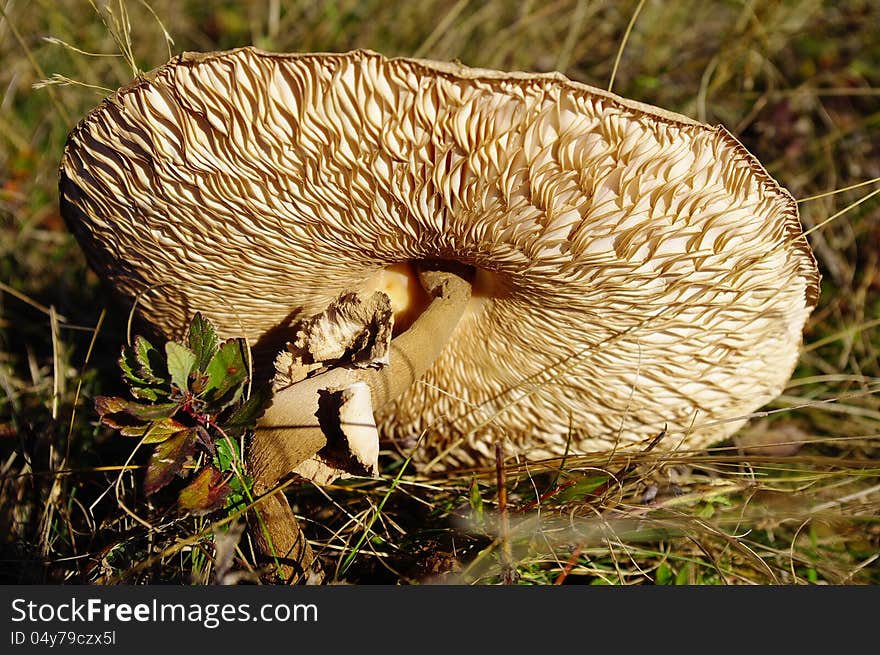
(798, 82)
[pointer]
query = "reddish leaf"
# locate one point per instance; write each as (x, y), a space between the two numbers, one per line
(206, 493)
(153, 412)
(113, 415)
(134, 419)
(112, 405)
(168, 459)
(203, 438)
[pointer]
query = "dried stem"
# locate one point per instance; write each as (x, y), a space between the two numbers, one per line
(507, 573)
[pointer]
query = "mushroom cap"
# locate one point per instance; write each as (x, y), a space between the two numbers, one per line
(641, 269)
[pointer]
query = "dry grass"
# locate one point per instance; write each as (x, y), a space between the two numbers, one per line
(798, 83)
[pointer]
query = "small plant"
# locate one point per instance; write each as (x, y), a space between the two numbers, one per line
(190, 405)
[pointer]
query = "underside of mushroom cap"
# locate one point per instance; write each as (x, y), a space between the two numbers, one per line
(645, 270)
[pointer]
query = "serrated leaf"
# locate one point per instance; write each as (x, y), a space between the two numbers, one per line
(181, 361)
(149, 361)
(153, 412)
(134, 430)
(246, 415)
(203, 341)
(112, 411)
(130, 367)
(159, 431)
(142, 379)
(167, 460)
(227, 373)
(206, 493)
(108, 405)
(148, 393)
(133, 419)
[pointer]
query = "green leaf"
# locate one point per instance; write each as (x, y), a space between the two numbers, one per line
(181, 361)
(149, 361)
(202, 340)
(130, 367)
(239, 483)
(476, 503)
(161, 430)
(663, 576)
(206, 493)
(137, 365)
(227, 454)
(706, 511)
(683, 576)
(235, 499)
(168, 459)
(148, 393)
(246, 415)
(227, 373)
(133, 430)
(580, 489)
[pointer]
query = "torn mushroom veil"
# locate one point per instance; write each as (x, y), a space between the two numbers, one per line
(634, 269)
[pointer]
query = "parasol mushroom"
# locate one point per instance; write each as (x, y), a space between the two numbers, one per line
(631, 268)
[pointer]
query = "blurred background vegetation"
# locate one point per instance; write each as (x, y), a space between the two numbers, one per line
(798, 82)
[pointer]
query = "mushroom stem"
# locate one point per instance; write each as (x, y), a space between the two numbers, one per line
(290, 431)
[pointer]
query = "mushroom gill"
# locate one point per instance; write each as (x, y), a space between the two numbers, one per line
(638, 269)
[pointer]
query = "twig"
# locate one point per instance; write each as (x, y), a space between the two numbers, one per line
(28, 300)
(632, 22)
(507, 573)
(569, 565)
